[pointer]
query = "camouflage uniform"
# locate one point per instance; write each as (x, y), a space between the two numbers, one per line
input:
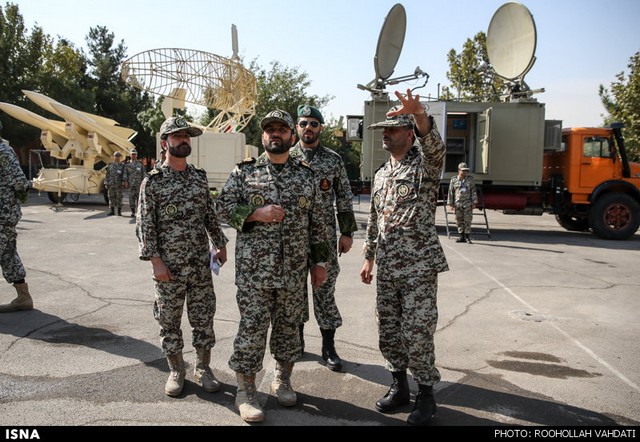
(271, 258)
(13, 185)
(114, 179)
(401, 236)
(176, 221)
(462, 195)
(335, 192)
(134, 174)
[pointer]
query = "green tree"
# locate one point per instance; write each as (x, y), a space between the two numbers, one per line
(622, 102)
(114, 98)
(279, 87)
(470, 73)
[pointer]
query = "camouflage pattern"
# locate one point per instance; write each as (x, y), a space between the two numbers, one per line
(134, 174)
(114, 180)
(401, 236)
(13, 183)
(335, 195)
(463, 196)
(412, 345)
(177, 221)
(272, 258)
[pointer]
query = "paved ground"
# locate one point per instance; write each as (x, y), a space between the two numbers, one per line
(538, 327)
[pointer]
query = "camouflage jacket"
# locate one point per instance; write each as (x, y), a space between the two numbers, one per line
(12, 182)
(134, 173)
(462, 192)
(177, 217)
(401, 232)
(334, 187)
(115, 174)
(274, 255)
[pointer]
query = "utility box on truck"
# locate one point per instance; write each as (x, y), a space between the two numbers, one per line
(217, 154)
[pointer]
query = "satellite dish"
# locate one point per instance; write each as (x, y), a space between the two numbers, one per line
(511, 41)
(197, 77)
(390, 42)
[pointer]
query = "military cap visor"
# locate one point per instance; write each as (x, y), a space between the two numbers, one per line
(277, 116)
(402, 120)
(178, 124)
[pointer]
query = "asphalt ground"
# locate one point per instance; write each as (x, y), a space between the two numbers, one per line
(538, 327)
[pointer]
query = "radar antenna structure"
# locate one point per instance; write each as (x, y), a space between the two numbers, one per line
(511, 47)
(388, 49)
(197, 77)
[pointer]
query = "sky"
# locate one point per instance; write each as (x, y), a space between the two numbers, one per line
(580, 45)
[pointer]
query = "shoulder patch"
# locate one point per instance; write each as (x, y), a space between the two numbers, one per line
(155, 173)
(249, 160)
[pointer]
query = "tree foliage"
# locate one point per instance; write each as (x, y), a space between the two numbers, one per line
(470, 73)
(622, 102)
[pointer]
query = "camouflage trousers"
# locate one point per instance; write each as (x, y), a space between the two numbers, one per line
(194, 285)
(134, 192)
(325, 308)
(115, 197)
(407, 315)
(464, 216)
(12, 268)
(259, 308)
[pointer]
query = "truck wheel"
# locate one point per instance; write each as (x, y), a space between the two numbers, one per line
(573, 223)
(54, 198)
(615, 216)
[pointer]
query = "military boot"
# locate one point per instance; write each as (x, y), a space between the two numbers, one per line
(111, 212)
(281, 385)
(329, 350)
(468, 238)
(247, 398)
(119, 211)
(133, 214)
(22, 302)
(174, 384)
(397, 396)
(462, 238)
(202, 372)
(424, 408)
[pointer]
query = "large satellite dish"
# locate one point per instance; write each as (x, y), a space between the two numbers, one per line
(390, 42)
(511, 41)
(197, 77)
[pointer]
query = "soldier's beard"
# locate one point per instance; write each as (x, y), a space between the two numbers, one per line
(272, 147)
(182, 150)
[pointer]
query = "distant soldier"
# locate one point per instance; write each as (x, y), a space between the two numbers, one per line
(134, 174)
(272, 202)
(176, 223)
(462, 199)
(161, 160)
(14, 188)
(337, 201)
(114, 182)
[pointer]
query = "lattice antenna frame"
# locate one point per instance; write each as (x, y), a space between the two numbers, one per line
(199, 78)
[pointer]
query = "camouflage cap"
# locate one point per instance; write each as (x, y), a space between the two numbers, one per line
(402, 120)
(176, 124)
(117, 153)
(277, 115)
(304, 110)
(463, 166)
(134, 152)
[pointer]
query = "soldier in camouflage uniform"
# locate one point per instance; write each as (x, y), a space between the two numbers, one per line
(401, 236)
(272, 202)
(114, 182)
(462, 199)
(175, 223)
(14, 188)
(335, 191)
(134, 174)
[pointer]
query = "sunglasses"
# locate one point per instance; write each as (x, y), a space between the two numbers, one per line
(304, 123)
